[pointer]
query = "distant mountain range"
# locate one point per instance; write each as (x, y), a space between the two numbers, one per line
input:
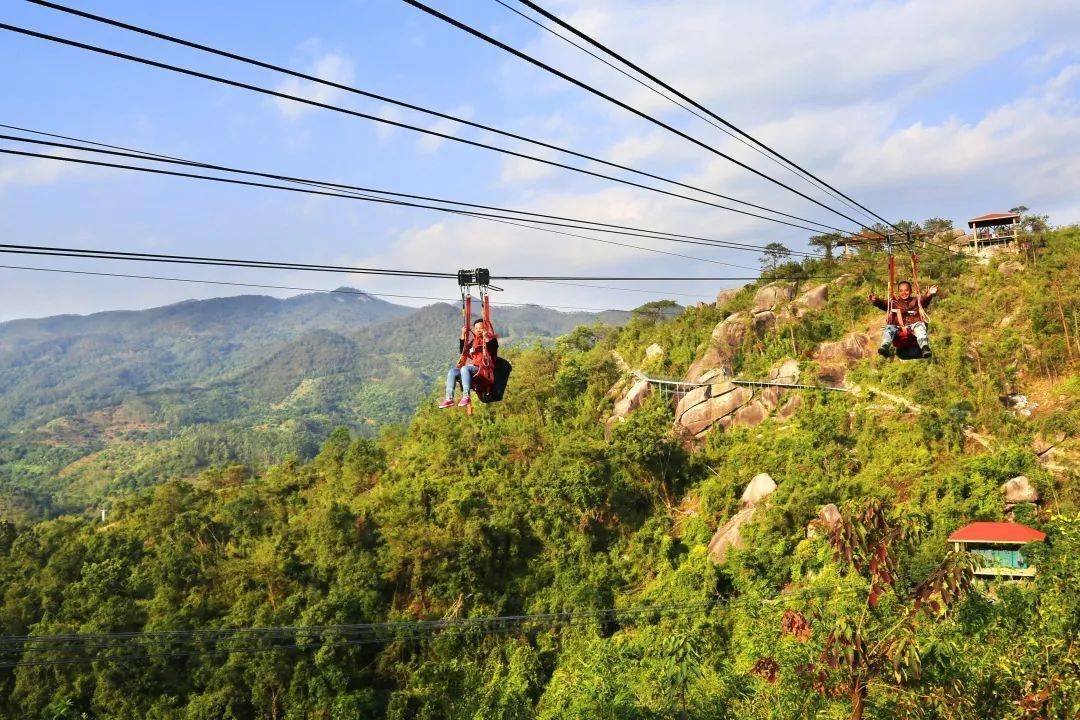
(86, 401)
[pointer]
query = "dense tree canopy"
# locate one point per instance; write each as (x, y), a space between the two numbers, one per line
(527, 507)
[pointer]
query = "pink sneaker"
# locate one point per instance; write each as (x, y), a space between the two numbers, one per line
(465, 401)
(446, 404)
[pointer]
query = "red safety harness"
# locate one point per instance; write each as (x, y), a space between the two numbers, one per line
(895, 315)
(475, 349)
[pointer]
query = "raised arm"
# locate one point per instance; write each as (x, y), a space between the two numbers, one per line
(877, 302)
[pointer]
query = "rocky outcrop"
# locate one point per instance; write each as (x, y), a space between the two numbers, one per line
(1010, 268)
(760, 487)
(729, 535)
(813, 299)
(789, 408)
(653, 352)
(628, 403)
(1019, 490)
(764, 321)
(721, 402)
(834, 358)
(708, 405)
(726, 338)
(769, 296)
(725, 296)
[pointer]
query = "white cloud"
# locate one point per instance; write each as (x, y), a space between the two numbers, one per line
(431, 143)
(332, 67)
(23, 171)
(519, 170)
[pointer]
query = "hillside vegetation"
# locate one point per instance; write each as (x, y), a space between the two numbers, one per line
(526, 507)
(96, 405)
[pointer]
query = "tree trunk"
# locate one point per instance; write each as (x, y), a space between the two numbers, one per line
(858, 698)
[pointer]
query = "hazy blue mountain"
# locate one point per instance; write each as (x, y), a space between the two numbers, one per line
(90, 405)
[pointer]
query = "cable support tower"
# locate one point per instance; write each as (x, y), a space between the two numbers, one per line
(762, 146)
(690, 109)
(407, 126)
(599, 93)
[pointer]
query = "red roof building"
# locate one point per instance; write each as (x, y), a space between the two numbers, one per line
(998, 545)
(997, 532)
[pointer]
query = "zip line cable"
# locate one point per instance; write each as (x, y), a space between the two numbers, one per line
(355, 196)
(339, 291)
(688, 108)
(393, 101)
(666, 86)
(358, 192)
(600, 93)
(85, 648)
(418, 129)
(91, 254)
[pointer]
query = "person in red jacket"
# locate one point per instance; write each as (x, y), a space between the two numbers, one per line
(469, 364)
(906, 311)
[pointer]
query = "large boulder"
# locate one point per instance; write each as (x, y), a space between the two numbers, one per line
(727, 337)
(706, 406)
(1010, 268)
(630, 401)
(1019, 490)
(827, 518)
(633, 398)
(729, 535)
(768, 297)
(752, 414)
(764, 321)
(711, 361)
(653, 352)
(813, 299)
(785, 371)
(725, 296)
(834, 358)
(760, 487)
(789, 408)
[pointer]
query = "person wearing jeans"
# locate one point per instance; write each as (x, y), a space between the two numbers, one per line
(473, 355)
(465, 373)
(909, 310)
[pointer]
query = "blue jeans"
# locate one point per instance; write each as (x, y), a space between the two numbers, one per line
(919, 328)
(466, 374)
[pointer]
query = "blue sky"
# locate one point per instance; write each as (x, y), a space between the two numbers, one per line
(915, 108)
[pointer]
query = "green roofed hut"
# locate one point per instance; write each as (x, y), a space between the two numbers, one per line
(998, 544)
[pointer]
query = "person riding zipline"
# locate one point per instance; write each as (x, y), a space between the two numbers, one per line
(905, 312)
(472, 357)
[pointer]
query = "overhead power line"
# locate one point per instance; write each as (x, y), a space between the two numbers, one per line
(365, 193)
(550, 16)
(600, 93)
(688, 108)
(422, 130)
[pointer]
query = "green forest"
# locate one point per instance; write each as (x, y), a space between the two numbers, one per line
(567, 498)
(93, 406)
